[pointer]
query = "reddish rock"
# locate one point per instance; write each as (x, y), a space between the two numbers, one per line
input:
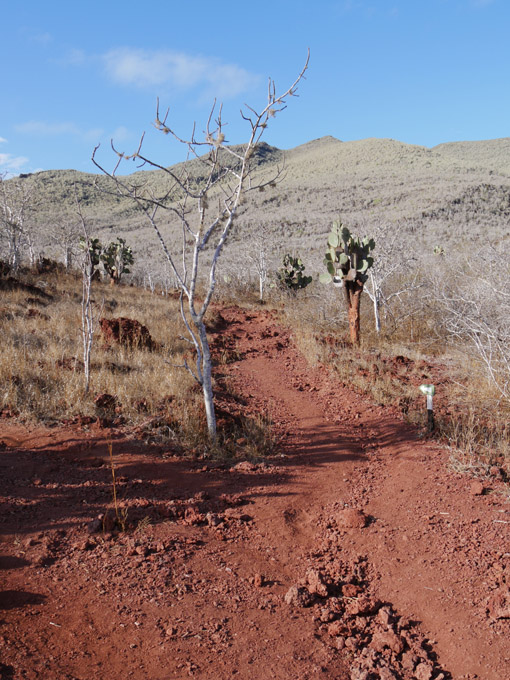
(409, 661)
(213, 520)
(258, 580)
(423, 671)
(476, 488)
(245, 466)
(337, 628)
(362, 606)
(315, 583)
(350, 518)
(193, 516)
(105, 402)
(351, 590)
(499, 603)
(298, 597)
(496, 472)
(126, 332)
(386, 638)
(384, 616)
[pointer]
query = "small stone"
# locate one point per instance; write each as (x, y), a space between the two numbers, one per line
(409, 661)
(384, 616)
(315, 583)
(362, 606)
(386, 638)
(496, 472)
(245, 466)
(386, 674)
(423, 671)
(476, 488)
(258, 580)
(351, 590)
(350, 518)
(336, 628)
(213, 520)
(298, 597)
(498, 606)
(340, 642)
(95, 526)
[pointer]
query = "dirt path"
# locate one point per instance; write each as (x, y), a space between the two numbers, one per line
(354, 554)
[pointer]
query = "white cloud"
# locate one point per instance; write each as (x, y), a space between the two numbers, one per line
(121, 134)
(2, 140)
(161, 68)
(42, 129)
(11, 164)
(43, 38)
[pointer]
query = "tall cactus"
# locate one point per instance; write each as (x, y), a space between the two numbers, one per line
(347, 262)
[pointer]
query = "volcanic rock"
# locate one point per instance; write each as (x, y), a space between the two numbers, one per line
(499, 603)
(297, 596)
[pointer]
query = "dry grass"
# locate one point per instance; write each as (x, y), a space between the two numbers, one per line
(42, 377)
(470, 416)
(41, 368)
(41, 354)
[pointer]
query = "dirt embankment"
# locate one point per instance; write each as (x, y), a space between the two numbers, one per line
(354, 553)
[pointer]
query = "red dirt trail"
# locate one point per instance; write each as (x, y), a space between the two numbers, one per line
(355, 553)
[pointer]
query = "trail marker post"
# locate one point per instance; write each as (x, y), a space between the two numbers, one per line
(429, 391)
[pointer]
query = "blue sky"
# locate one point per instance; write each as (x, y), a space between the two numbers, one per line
(77, 74)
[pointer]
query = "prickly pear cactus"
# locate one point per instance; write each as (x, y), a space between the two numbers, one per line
(348, 257)
(291, 275)
(116, 258)
(347, 261)
(95, 249)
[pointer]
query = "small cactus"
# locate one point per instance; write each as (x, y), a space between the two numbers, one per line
(116, 258)
(291, 274)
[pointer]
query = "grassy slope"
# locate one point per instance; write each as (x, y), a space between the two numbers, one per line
(448, 195)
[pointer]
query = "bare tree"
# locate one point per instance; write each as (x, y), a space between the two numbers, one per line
(89, 315)
(15, 205)
(475, 308)
(64, 232)
(392, 261)
(259, 248)
(205, 204)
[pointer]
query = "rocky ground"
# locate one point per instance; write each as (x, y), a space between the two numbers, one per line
(353, 553)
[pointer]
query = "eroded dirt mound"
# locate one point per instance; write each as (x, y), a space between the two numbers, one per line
(354, 553)
(126, 332)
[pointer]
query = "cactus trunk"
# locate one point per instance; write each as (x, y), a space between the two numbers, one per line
(353, 290)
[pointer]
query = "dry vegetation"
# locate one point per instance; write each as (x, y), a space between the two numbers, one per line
(456, 196)
(41, 360)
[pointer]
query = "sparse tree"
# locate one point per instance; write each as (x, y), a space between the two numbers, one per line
(258, 258)
(64, 232)
(475, 313)
(392, 261)
(89, 315)
(205, 204)
(15, 206)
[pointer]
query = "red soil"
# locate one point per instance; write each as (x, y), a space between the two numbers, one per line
(356, 553)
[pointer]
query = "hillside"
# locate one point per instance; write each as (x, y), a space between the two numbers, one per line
(445, 196)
